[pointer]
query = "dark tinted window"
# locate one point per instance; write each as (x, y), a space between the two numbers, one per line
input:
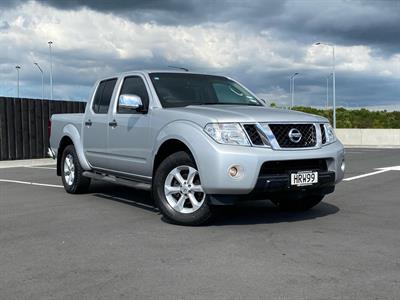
(182, 89)
(106, 96)
(134, 85)
(97, 97)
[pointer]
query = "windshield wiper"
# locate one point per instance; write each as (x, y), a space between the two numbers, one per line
(203, 103)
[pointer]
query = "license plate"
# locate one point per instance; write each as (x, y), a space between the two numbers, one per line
(303, 178)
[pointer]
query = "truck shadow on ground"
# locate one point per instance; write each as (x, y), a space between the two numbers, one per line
(256, 212)
(264, 212)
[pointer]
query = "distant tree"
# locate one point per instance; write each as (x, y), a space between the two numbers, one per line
(359, 118)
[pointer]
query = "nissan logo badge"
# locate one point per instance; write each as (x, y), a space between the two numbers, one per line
(295, 135)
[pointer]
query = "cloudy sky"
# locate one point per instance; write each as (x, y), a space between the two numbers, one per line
(260, 43)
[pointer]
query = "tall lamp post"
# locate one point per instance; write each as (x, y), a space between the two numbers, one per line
(51, 70)
(333, 80)
(18, 68)
(41, 71)
(291, 81)
(327, 89)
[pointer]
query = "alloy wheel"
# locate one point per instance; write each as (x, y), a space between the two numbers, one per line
(183, 189)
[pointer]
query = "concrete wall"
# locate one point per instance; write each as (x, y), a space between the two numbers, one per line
(369, 137)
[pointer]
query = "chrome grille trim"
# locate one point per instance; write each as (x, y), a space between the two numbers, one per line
(323, 134)
(306, 131)
(270, 141)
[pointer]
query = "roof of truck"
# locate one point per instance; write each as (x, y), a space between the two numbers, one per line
(148, 71)
(166, 71)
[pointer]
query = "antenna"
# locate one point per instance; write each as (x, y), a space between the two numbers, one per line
(179, 68)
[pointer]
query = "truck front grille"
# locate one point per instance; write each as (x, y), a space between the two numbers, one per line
(253, 134)
(281, 133)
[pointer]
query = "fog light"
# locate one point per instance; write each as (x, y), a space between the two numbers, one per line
(343, 166)
(233, 171)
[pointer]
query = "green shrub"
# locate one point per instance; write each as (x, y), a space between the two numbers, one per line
(358, 118)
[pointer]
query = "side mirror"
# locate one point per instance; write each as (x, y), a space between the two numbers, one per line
(130, 102)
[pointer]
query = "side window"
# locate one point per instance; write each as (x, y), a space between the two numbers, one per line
(106, 97)
(97, 97)
(134, 85)
(103, 96)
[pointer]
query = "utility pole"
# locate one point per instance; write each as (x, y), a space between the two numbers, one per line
(51, 70)
(292, 87)
(327, 90)
(18, 68)
(333, 79)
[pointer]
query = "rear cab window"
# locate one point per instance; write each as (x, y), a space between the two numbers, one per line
(102, 98)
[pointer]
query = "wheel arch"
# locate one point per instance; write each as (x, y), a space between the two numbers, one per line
(179, 135)
(71, 135)
(167, 148)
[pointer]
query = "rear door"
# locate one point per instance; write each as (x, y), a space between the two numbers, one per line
(96, 124)
(128, 142)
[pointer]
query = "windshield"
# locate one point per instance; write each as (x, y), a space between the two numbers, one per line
(180, 89)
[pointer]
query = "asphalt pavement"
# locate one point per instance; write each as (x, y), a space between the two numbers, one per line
(112, 243)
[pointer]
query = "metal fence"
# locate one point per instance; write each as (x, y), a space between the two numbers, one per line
(24, 125)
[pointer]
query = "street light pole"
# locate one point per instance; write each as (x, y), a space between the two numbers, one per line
(51, 70)
(334, 86)
(327, 90)
(333, 80)
(292, 87)
(41, 71)
(17, 68)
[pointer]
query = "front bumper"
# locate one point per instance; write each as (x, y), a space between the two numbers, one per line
(214, 164)
(281, 183)
(271, 186)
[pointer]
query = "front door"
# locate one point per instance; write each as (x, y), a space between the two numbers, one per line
(128, 138)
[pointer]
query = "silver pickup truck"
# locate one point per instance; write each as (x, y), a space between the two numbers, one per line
(195, 141)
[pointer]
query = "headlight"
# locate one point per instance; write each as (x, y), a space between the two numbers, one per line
(227, 133)
(329, 133)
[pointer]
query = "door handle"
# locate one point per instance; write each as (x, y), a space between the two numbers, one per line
(113, 123)
(88, 123)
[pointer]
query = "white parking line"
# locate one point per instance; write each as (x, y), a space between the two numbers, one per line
(26, 163)
(380, 170)
(49, 168)
(31, 183)
(365, 175)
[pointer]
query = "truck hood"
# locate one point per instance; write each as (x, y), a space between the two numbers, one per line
(240, 113)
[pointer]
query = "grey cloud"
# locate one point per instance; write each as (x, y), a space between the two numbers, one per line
(9, 3)
(372, 23)
(352, 88)
(75, 73)
(4, 25)
(359, 22)
(343, 22)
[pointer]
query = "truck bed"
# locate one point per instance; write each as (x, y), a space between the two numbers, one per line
(59, 121)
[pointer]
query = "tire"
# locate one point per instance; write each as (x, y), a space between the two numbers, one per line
(297, 203)
(71, 172)
(178, 193)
